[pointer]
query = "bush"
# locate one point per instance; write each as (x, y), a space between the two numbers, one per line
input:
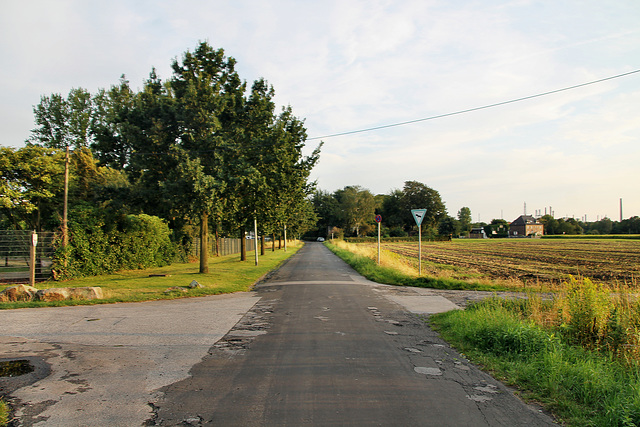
(102, 243)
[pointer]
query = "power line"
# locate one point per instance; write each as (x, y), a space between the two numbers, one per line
(484, 107)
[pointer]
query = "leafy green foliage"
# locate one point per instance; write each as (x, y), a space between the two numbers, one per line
(64, 121)
(581, 387)
(464, 216)
(102, 243)
(357, 208)
(353, 209)
(4, 413)
(194, 150)
(31, 184)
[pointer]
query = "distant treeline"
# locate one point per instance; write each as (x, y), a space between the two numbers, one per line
(554, 226)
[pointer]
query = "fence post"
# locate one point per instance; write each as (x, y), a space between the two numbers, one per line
(32, 256)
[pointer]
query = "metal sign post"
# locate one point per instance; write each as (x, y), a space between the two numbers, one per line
(378, 220)
(418, 215)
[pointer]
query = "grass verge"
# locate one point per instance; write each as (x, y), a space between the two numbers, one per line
(582, 387)
(4, 413)
(226, 275)
(395, 270)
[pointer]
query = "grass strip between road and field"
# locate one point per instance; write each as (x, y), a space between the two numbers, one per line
(394, 271)
(227, 274)
(580, 386)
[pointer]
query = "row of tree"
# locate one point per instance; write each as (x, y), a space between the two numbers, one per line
(198, 148)
(604, 226)
(351, 211)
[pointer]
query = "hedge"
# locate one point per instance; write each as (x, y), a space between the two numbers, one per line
(102, 243)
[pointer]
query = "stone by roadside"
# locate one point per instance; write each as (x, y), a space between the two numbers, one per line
(29, 293)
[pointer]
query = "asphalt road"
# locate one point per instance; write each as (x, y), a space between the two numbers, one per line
(325, 347)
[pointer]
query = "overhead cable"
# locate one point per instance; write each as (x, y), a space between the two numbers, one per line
(472, 109)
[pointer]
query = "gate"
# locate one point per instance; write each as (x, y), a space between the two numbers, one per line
(15, 256)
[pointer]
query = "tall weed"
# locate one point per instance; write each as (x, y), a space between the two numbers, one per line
(597, 318)
(583, 387)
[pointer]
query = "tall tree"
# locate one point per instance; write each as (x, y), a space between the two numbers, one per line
(63, 122)
(112, 125)
(327, 210)
(248, 187)
(31, 183)
(393, 212)
(416, 195)
(464, 216)
(208, 94)
(290, 170)
(449, 226)
(357, 206)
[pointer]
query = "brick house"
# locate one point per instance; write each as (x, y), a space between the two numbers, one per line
(526, 225)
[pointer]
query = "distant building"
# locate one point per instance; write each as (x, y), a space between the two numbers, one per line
(478, 233)
(525, 226)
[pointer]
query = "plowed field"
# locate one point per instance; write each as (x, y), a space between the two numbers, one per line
(605, 261)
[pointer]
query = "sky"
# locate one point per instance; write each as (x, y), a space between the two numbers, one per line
(348, 65)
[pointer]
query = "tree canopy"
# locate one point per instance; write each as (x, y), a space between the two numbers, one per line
(196, 148)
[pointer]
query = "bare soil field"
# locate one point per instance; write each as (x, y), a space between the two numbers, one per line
(608, 261)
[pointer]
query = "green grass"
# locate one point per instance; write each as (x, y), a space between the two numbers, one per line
(226, 275)
(4, 413)
(581, 387)
(370, 269)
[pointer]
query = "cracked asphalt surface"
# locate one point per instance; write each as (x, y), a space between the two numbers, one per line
(326, 347)
(315, 343)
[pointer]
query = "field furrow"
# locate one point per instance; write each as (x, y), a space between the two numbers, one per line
(612, 262)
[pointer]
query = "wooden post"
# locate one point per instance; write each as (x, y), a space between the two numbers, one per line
(204, 247)
(255, 238)
(32, 255)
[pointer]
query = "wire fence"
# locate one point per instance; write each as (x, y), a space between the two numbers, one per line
(15, 253)
(226, 246)
(15, 256)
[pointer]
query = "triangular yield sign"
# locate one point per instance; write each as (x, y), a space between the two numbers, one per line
(418, 215)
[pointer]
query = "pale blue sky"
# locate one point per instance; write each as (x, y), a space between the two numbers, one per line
(346, 65)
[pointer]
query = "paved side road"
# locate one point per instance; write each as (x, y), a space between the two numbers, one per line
(102, 365)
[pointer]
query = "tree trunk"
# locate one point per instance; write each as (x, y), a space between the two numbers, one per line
(273, 242)
(243, 245)
(204, 250)
(262, 244)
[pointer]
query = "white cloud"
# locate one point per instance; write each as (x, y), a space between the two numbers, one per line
(351, 65)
